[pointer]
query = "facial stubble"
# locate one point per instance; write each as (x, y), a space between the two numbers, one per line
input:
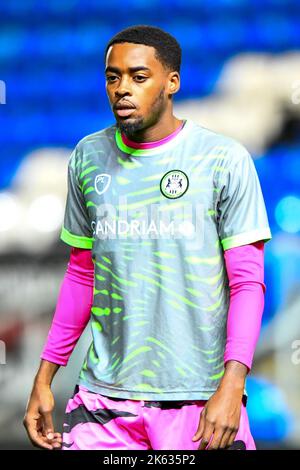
(130, 127)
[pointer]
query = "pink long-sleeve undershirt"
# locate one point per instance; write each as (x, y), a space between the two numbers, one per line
(245, 269)
(73, 308)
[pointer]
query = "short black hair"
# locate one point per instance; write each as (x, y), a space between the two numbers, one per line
(168, 50)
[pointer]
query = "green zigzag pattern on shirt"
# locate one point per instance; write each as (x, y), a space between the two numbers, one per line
(156, 275)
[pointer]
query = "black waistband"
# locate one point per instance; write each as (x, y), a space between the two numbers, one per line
(163, 404)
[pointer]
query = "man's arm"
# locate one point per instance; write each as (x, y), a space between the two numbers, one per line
(71, 316)
(46, 373)
(219, 421)
(73, 308)
(245, 269)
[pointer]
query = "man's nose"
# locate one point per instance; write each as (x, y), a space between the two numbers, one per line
(124, 87)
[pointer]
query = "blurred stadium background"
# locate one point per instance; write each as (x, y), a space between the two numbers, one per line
(240, 76)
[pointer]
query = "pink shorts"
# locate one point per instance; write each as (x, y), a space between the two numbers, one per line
(97, 422)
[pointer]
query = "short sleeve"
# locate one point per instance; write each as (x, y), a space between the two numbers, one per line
(76, 230)
(241, 211)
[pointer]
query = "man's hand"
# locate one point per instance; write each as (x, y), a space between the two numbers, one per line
(38, 416)
(220, 418)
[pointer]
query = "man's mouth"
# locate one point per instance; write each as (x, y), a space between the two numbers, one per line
(124, 109)
(124, 112)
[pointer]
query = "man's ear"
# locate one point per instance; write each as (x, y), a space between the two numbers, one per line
(174, 82)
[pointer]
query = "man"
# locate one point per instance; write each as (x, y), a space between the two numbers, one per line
(167, 225)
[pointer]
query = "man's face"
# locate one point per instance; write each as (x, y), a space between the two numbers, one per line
(137, 85)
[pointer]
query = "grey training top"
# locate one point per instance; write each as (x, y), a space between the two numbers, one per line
(157, 221)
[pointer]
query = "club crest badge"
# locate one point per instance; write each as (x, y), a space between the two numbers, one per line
(174, 184)
(102, 183)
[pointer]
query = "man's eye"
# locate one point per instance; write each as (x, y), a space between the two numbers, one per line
(111, 78)
(140, 78)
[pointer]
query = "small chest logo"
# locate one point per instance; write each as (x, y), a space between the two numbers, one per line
(174, 184)
(102, 183)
